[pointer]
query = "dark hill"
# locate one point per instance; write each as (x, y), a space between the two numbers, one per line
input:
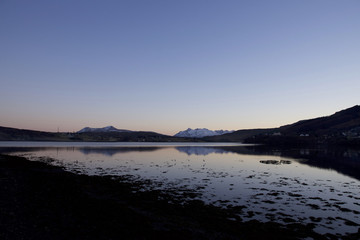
(341, 129)
(14, 134)
(342, 121)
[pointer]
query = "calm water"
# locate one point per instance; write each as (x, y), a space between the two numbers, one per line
(319, 186)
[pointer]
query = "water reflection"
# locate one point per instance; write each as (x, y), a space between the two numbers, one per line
(345, 161)
(283, 185)
(201, 150)
(113, 151)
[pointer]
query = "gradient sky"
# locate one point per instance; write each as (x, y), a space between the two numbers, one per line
(167, 65)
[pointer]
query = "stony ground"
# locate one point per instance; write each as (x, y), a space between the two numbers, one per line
(38, 201)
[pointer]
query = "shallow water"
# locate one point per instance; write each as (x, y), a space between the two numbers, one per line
(300, 185)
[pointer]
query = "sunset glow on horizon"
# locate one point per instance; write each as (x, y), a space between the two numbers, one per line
(166, 66)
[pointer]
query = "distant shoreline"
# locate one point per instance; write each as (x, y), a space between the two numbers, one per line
(339, 129)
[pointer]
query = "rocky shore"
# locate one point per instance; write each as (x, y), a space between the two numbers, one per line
(38, 201)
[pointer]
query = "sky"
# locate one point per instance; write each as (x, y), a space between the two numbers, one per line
(169, 65)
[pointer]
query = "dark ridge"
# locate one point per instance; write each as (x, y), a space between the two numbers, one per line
(340, 121)
(340, 129)
(14, 134)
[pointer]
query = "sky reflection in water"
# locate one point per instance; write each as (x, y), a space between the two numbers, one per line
(266, 184)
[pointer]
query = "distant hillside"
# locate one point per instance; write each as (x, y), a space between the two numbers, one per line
(338, 123)
(14, 134)
(341, 128)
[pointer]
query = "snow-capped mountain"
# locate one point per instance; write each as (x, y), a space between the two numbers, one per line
(104, 129)
(200, 132)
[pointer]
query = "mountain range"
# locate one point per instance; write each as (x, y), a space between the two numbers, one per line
(188, 133)
(200, 133)
(342, 127)
(104, 129)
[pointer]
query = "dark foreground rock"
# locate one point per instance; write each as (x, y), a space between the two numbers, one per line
(38, 201)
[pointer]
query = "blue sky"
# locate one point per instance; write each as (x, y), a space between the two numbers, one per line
(169, 65)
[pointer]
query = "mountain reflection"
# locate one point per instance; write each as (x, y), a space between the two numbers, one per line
(113, 151)
(189, 150)
(345, 161)
(107, 151)
(192, 150)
